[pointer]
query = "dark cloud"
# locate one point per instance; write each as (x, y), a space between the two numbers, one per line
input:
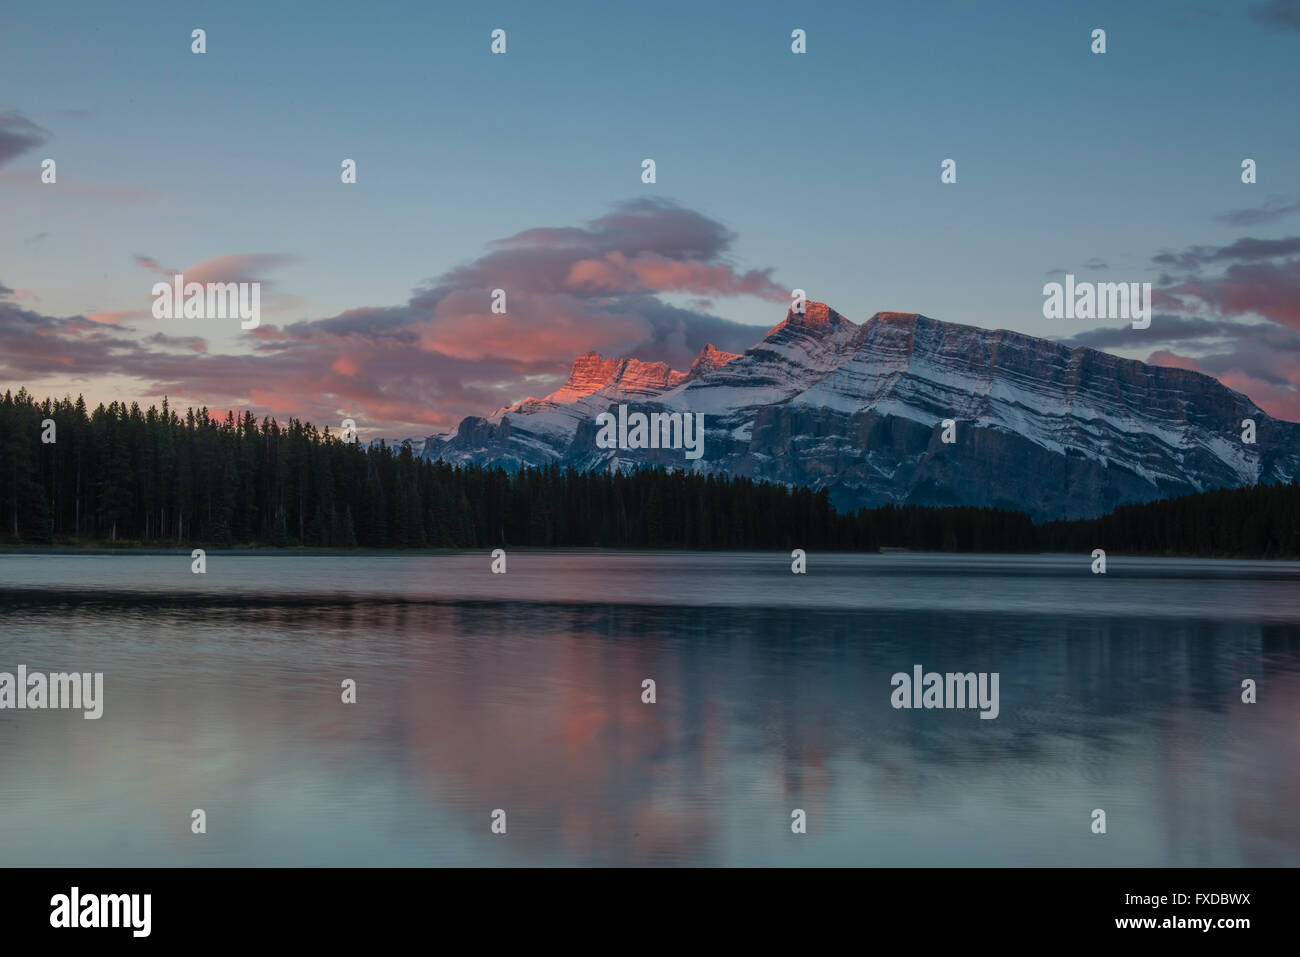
(1261, 360)
(634, 226)
(576, 288)
(1204, 297)
(1094, 264)
(1246, 249)
(34, 345)
(1274, 359)
(375, 324)
(1165, 328)
(192, 343)
(643, 245)
(1256, 249)
(1274, 208)
(151, 264)
(1278, 13)
(18, 135)
(677, 336)
(1190, 259)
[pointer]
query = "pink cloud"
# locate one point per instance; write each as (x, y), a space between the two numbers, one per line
(616, 273)
(239, 267)
(1268, 289)
(443, 354)
(1173, 360)
(1279, 399)
(1282, 402)
(113, 318)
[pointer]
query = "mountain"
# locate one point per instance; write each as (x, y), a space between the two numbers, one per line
(1054, 431)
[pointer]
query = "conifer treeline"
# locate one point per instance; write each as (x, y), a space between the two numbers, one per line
(1257, 521)
(119, 474)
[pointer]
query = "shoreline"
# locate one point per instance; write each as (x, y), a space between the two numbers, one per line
(306, 552)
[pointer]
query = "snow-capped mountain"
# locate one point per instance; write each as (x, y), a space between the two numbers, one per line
(1054, 431)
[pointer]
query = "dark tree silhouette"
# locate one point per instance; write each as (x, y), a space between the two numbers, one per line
(120, 475)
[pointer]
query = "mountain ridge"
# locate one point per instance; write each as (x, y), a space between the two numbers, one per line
(1061, 432)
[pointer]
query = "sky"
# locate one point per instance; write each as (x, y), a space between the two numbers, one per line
(523, 171)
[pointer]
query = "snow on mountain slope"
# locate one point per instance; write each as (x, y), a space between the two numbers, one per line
(1040, 427)
(793, 355)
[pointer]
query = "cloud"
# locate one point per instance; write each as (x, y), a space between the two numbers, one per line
(1165, 328)
(1261, 277)
(1261, 360)
(33, 240)
(1258, 276)
(615, 273)
(19, 135)
(240, 267)
(1278, 13)
(1207, 320)
(675, 335)
(571, 289)
(1267, 289)
(237, 267)
(191, 343)
(1280, 399)
(635, 226)
(1094, 263)
(1246, 249)
(151, 264)
(424, 364)
(34, 346)
(18, 295)
(120, 316)
(645, 245)
(1274, 208)
(1253, 250)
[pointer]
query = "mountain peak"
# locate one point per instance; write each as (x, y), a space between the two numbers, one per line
(588, 373)
(591, 372)
(711, 359)
(816, 319)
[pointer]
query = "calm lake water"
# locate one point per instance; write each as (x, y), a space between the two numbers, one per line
(523, 692)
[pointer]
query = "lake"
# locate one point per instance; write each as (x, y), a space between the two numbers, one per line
(523, 692)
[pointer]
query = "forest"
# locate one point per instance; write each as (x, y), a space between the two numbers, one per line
(121, 476)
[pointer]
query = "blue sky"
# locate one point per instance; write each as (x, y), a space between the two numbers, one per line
(823, 167)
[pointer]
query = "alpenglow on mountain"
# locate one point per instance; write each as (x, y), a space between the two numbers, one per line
(1041, 427)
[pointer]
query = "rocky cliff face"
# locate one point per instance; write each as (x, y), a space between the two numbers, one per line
(710, 360)
(628, 378)
(821, 401)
